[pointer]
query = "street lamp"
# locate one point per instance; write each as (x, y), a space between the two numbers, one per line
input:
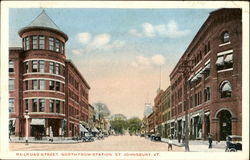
(26, 116)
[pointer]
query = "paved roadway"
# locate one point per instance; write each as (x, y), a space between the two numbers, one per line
(111, 143)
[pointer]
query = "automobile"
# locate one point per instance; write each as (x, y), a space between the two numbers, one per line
(234, 143)
(155, 137)
(87, 137)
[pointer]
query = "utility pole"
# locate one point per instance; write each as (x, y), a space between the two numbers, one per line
(185, 69)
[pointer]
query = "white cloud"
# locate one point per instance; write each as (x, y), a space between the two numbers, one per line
(169, 30)
(84, 37)
(148, 29)
(158, 59)
(143, 60)
(101, 40)
(76, 51)
(134, 32)
(98, 42)
(148, 61)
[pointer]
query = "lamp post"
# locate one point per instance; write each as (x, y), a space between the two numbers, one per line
(26, 116)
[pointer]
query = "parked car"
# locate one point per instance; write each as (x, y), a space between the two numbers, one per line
(87, 137)
(234, 143)
(155, 137)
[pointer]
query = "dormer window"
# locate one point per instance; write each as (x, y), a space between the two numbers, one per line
(225, 37)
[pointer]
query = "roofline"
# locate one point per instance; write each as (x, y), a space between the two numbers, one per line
(80, 75)
(22, 30)
(202, 29)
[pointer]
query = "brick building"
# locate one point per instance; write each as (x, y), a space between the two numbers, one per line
(44, 84)
(158, 111)
(207, 80)
(166, 112)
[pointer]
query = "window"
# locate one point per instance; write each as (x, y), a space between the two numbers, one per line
(51, 105)
(225, 37)
(51, 85)
(26, 67)
(51, 67)
(26, 104)
(34, 66)
(42, 84)
(224, 61)
(34, 84)
(57, 68)
(57, 45)
(34, 105)
(34, 42)
(41, 42)
(57, 86)
(41, 66)
(62, 45)
(11, 84)
(207, 94)
(27, 43)
(57, 106)
(26, 85)
(41, 105)
(51, 44)
(11, 66)
(11, 105)
(225, 89)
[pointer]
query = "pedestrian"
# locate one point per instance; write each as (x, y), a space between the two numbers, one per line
(179, 137)
(210, 141)
(170, 143)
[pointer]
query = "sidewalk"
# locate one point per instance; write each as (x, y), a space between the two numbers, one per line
(200, 145)
(46, 141)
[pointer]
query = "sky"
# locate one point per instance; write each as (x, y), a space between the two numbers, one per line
(125, 55)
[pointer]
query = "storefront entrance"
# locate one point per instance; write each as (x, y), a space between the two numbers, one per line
(37, 131)
(225, 124)
(55, 125)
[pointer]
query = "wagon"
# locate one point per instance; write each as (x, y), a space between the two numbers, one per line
(234, 143)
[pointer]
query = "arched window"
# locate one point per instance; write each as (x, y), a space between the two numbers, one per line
(225, 89)
(225, 37)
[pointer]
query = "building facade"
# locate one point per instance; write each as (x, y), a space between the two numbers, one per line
(158, 111)
(166, 112)
(44, 84)
(207, 80)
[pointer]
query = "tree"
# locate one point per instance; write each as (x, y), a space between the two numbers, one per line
(101, 109)
(134, 125)
(119, 125)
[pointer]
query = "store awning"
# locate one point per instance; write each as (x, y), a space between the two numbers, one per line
(219, 60)
(83, 129)
(94, 130)
(229, 58)
(37, 122)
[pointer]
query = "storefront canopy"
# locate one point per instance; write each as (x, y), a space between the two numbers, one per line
(83, 129)
(37, 122)
(94, 130)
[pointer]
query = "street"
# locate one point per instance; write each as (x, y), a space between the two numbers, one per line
(111, 143)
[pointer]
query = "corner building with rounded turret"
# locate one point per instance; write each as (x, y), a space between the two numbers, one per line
(45, 85)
